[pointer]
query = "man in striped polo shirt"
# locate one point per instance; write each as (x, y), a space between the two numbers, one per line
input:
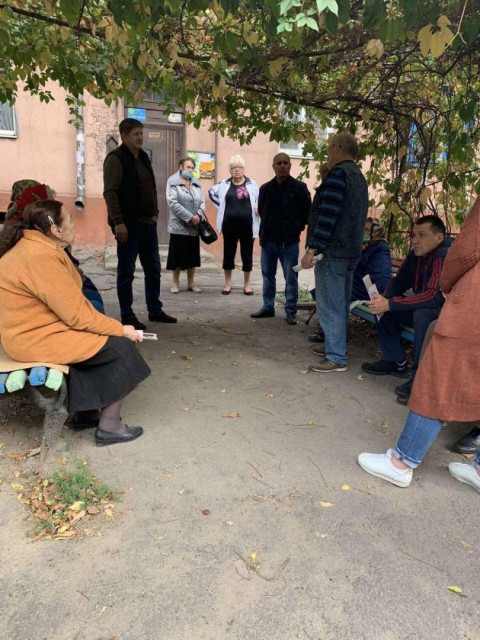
(335, 235)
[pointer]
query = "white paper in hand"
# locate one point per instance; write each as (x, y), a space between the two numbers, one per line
(371, 288)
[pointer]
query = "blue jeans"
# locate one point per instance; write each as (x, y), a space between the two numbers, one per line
(389, 333)
(288, 256)
(333, 291)
(142, 241)
(416, 439)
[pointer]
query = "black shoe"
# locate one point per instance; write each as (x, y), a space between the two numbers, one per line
(404, 390)
(317, 337)
(469, 443)
(263, 313)
(291, 318)
(103, 438)
(403, 400)
(161, 317)
(80, 422)
(135, 322)
(385, 368)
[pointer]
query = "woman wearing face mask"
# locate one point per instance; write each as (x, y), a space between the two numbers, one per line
(187, 207)
(375, 260)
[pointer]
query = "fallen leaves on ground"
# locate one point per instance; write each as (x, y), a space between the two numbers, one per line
(345, 487)
(455, 589)
(269, 395)
(59, 502)
(465, 545)
(232, 414)
(206, 512)
(325, 503)
(167, 474)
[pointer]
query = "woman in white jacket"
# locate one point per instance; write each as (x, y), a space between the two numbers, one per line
(236, 199)
(187, 207)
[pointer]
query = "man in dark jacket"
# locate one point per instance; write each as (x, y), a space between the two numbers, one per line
(283, 206)
(335, 235)
(412, 298)
(131, 197)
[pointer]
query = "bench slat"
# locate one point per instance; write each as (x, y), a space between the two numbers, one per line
(3, 379)
(54, 379)
(16, 380)
(37, 376)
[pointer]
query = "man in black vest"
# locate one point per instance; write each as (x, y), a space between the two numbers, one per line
(131, 196)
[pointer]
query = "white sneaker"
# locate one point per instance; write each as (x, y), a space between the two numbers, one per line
(195, 289)
(380, 465)
(465, 473)
(174, 289)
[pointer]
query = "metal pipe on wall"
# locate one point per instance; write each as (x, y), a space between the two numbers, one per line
(80, 155)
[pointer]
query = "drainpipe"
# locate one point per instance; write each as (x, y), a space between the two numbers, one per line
(80, 199)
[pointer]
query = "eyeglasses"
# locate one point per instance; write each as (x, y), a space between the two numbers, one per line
(233, 168)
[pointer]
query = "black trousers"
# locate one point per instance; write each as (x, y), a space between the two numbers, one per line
(234, 231)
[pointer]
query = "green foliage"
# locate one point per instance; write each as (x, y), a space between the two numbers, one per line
(402, 75)
(80, 484)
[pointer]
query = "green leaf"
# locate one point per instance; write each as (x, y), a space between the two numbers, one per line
(312, 24)
(373, 13)
(331, 22)
(71, 9)
(331, 5)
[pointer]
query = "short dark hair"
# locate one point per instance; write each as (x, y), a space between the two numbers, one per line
(128, 125)
(183, 160)
(436, 224)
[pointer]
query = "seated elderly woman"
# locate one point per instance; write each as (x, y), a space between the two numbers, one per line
(45, 318)
(27, 191)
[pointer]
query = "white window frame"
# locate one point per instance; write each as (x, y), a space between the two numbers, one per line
(10, 133)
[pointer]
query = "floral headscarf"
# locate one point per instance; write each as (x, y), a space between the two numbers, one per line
(25, 192)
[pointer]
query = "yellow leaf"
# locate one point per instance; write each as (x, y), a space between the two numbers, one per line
(17, 486)
(76, 506)
(253, 557)
(425, 195)
(127, 490)
(65, 534)
(424, 38)
(345, 487)
(464, 544)
(63, 529)
(325, 504)
(437, 44)
(232, 414)
(447, 35)
(109, 513)
(269, 395)
(310, 422)
(222, 390)
(167, 474)
(443, 21)
(16, 474)
(455, 589)
(374, 48)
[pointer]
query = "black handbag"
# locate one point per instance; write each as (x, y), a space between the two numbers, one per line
(206, 231)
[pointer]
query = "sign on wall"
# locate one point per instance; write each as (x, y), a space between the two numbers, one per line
(138, 114)
(204, 164)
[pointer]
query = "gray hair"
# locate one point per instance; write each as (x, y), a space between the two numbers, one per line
(347, 142)
(236, 159)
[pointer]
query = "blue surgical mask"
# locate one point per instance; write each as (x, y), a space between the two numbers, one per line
(366, 238)
(187, 175)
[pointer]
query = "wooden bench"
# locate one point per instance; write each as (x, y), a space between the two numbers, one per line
(47, 387)
(363, 312)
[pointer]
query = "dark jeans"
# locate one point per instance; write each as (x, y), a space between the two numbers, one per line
(143, 242)
(272, 252)
(234, 231)
(389, 332)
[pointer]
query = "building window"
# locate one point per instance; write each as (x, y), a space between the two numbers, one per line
(294, 148)
(8, 121)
